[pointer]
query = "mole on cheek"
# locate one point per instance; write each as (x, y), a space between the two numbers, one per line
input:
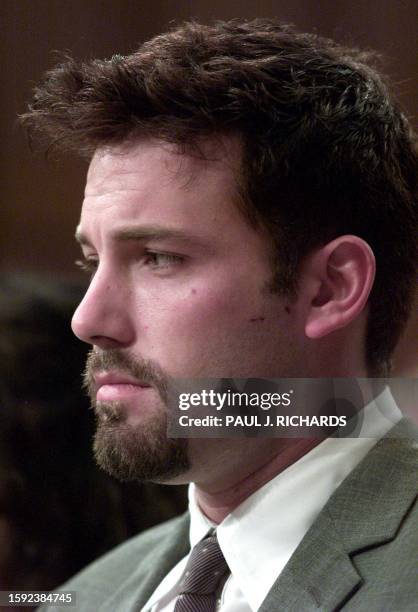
(193, 291)
(257, 319)
(287, 309)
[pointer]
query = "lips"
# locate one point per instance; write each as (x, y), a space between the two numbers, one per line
(116, 386)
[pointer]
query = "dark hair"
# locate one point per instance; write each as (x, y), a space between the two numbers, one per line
(325, 150)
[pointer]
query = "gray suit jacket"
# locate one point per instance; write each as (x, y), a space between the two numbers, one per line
(361, 554)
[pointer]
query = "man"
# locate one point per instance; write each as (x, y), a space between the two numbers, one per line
(250, 211)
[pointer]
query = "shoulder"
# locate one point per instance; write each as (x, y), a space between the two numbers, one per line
(99, 580)
(123, 559)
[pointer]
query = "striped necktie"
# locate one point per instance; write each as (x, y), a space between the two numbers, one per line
(203, 573)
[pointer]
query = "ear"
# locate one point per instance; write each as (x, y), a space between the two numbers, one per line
(339, 279)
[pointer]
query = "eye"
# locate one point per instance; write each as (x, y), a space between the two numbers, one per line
(87, 265)
(156, 260)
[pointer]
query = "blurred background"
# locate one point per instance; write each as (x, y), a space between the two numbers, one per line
(41, 199)
(58, 511)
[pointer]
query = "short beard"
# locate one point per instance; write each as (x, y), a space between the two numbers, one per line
(142, 453)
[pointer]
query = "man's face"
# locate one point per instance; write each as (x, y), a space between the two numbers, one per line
(179, 290)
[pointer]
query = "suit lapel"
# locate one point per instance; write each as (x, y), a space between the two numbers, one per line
(319, 575)
(366, 510)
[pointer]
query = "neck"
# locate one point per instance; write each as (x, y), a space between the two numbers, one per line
(217, 504)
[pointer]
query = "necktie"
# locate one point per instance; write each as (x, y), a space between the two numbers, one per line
(204, 570)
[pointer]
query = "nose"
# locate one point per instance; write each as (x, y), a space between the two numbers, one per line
(103, 316)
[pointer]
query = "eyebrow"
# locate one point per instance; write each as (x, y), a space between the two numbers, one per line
(144, 232)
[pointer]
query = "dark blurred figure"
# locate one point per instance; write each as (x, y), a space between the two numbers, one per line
(405, 359)
(58, 512)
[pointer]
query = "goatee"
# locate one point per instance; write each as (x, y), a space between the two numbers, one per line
(133, 452)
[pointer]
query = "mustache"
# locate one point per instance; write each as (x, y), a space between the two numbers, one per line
(144, 370)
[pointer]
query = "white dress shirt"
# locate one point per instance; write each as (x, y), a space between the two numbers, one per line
(261, 534)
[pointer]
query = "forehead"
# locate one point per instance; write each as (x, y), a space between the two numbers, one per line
(121, 168)
(150, 182)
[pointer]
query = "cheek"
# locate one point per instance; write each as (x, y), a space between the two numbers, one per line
(204, 309)
(185, 324)
(206, 326)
